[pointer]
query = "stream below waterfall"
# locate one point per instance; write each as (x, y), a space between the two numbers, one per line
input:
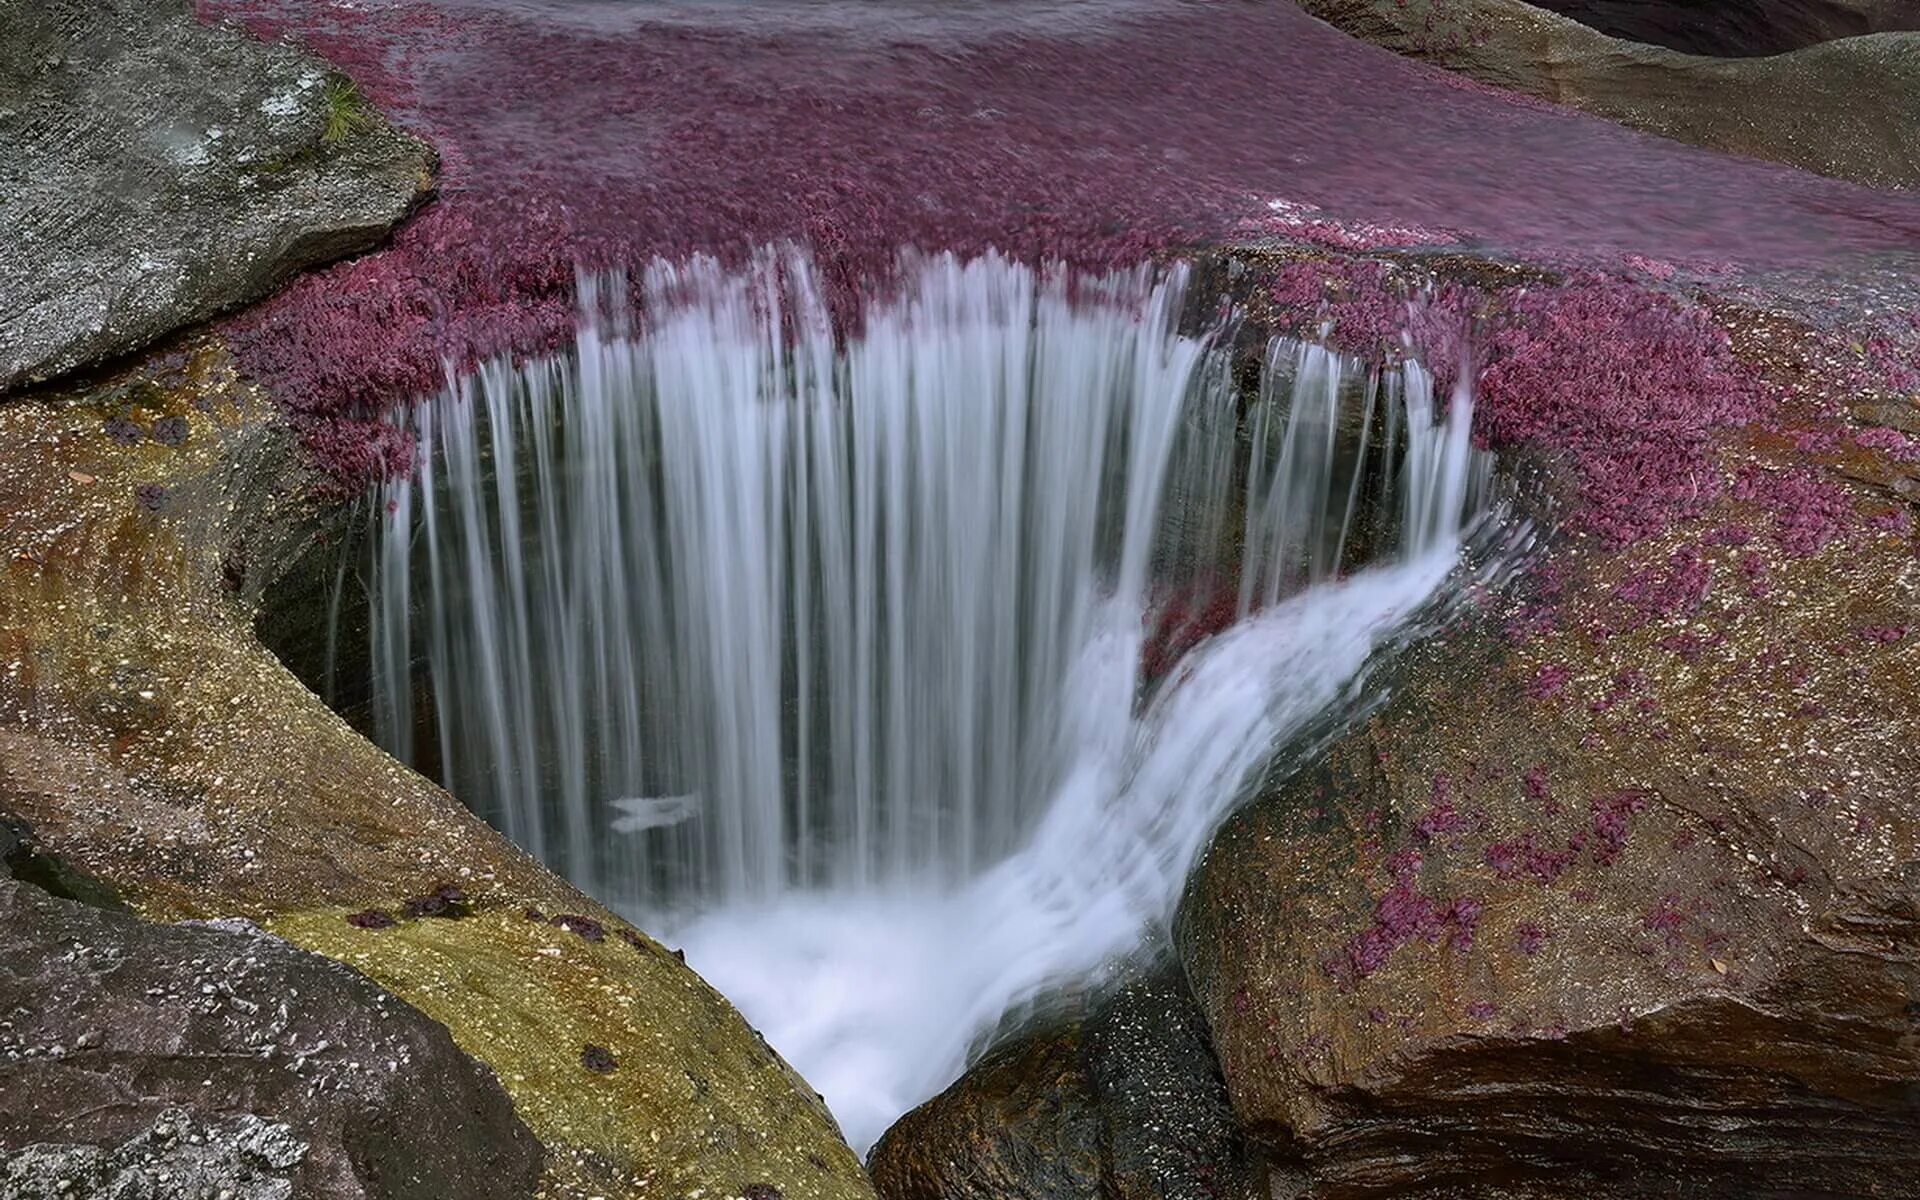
(901, 678)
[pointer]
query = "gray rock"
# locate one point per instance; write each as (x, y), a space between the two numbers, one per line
(155, 171)
(241, 1158)
(228, 1060)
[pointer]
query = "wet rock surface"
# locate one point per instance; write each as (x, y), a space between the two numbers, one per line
(1738, 28)
(155, 171)
(1125, 1104)
(1848, 108)
(139, 1059)
(955, 127)
(1620, 893)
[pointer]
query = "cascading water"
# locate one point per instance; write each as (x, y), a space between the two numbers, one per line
(901, 680)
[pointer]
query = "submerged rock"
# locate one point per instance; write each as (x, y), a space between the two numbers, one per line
(1848, 108)
(1126, 1104)
(145, 1060)
(155, 171)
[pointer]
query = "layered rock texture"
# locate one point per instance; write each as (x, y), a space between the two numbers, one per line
(155, 171)
(1124, 1103)
(1848, 108)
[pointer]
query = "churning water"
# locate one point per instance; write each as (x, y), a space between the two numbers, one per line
(901, 680)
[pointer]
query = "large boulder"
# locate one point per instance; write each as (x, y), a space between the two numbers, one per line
(155, 171)
(1123, 1104)
(135, 1054)
(153, 745)
(1848, 108)
(1619, 894)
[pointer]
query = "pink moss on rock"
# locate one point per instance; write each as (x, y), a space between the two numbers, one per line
(1531, 855)
(1403, 915)
(1810, 510)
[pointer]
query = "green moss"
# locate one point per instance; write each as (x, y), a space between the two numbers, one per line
(347, 111)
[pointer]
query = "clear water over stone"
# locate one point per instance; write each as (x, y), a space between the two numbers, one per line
(904, 678)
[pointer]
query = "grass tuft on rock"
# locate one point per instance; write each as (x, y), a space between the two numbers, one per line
(347, 111)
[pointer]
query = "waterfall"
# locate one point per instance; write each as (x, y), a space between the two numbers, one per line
(904, 677)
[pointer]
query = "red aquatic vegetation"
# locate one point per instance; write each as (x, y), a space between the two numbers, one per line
(1810, 510)
(1675, 588)
(603, 135)
(1628, 385)
(1532, 855)
(1548, 681)
(1612, 823)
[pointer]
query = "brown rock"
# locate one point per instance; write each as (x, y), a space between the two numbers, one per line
(155, 746)
(1847, 108)
(1738, 28)
(1650, 931)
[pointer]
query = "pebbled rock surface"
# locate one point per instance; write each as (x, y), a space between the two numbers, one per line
(241, 1158)
(1848, 108)
(1125, 1104)
(145, 1060)
(1738, 28)
(155, 171)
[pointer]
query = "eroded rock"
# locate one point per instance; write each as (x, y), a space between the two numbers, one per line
(155, 171)
(139, 1059)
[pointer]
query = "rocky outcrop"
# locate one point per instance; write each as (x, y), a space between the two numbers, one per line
(1620, 893)
(152, 745)
(155, 171)
(1738, 28)
(1125, 1104)
(1847, 108)
(139, 1059)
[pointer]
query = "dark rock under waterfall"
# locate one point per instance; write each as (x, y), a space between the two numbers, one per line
(1125, 1103)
